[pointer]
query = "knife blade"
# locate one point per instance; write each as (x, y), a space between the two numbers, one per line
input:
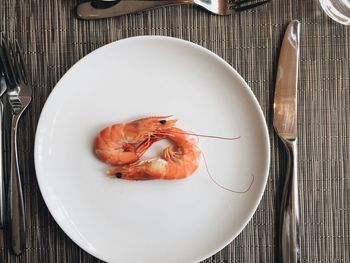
(285, 124)
(102, 4)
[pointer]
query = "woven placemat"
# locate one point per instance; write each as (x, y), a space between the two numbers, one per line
(53, 40)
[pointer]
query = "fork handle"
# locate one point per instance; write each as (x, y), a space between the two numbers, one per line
(88, 11)
(16, 204)
(289, 228)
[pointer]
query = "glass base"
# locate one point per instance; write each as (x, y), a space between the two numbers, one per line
(338, 10)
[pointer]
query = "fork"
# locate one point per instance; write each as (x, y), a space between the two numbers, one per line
(19, 96)
(106, 8)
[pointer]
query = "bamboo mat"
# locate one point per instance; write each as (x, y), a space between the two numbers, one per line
(53, 40)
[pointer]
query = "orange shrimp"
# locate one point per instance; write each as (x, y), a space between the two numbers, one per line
(176, 162)
(125, 143)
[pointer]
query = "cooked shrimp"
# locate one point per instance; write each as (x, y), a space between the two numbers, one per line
(176, 162)
(125, 143)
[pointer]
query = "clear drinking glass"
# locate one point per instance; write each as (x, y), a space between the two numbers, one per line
(338, 10)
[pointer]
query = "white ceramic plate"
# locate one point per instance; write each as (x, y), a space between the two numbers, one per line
(151, 221)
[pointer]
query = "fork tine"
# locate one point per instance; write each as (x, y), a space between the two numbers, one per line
(7, 61)
(22, 67)
(239, 5)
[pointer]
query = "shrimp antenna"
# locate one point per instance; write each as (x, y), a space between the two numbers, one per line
(223, 187)
(205, 161)
(209, 136)
(207, 168)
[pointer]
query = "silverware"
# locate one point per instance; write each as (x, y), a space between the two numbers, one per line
(101, 8)
(285, 123)
(19, 96)
(2, 182)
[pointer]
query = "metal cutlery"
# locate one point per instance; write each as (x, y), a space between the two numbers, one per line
(285, 123)
(103, 8)
(19, 96)
(2, 183)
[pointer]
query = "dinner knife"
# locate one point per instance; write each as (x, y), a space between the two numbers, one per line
(2, 180)
(285, 123)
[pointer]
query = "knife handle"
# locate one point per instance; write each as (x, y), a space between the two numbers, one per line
(87, 11)
(2, 179)
(289, 227)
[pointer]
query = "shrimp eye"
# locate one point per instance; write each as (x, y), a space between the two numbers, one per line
(118, 175)
(162, 121)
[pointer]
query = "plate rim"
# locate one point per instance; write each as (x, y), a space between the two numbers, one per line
(265, 135)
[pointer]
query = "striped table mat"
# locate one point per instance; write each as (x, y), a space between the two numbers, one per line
(53, 40)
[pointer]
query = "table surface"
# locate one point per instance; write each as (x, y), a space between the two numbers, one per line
(53, 40)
